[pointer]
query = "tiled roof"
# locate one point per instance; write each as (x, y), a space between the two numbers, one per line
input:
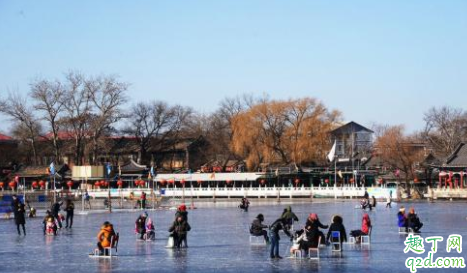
(133, 167)
(5, 138)
(350, 127)
(459, 157)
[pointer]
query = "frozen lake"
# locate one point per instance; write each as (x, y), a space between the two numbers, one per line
(219, 241)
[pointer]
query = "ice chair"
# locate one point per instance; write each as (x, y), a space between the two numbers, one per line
(403, 230)
(298, 253)
(314, 249)
(113, 245)
(366, 239)
(257, 240)
(336, 241)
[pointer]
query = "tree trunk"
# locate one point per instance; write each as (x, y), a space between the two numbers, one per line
(34, 151)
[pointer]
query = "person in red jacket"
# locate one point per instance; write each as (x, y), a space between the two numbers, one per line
(366, 225)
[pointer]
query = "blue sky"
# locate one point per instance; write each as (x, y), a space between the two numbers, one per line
(376, 61)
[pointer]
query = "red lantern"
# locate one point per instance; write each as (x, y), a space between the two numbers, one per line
(142, 183)
(12, 184)
(297, 181)
(228, 182)
(199, 182)
(69, 184)
(163, 181)
(97, 184)
(120, 183)
(171, 181)
(34, 184)
(326, 180)
(2, 184)
(262, 181)
(42, 183)
(182, 181)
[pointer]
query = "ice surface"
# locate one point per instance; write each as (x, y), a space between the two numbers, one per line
(219, 241)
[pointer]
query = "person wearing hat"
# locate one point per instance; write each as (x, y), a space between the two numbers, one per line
(312, 226)
(257, 228)
(179, 230)
(365, 230)
(140, 225)
(402, 219)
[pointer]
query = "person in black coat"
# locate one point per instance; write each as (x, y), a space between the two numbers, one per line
(70, 211)
(20, 218)
(257, 228)
(337, 225)
(413, 221)
(179, 231)
(312, 226)
(279, 224)
(140, 225)
(55, 210)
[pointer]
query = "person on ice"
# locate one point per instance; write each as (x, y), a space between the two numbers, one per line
(364, 203)
(49, 225)
(140, 225)
(143, 200)
(20, 218)
(373, 201)
(257, 228)
(312, 226)
(365, 230)
(150, 230)
(289, 217)
(279, 224)
(402, 219)
(55, 212)
(388, 201)
(104, 237)
(413, 221)
(244, 204)
(181, 211)
(70, 211)
(337, 225)
(179, 231)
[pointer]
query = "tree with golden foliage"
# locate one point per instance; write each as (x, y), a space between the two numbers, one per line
(399, 151)
(283, 132)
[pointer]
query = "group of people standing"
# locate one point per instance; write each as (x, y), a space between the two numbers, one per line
(53, 218)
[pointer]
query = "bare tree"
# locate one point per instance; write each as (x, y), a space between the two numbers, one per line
(108, 96)
(151, 125)
(445, 127)
(182, 119)
(27, 139)
(76, 102)
(49, 100)
(17, 109)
